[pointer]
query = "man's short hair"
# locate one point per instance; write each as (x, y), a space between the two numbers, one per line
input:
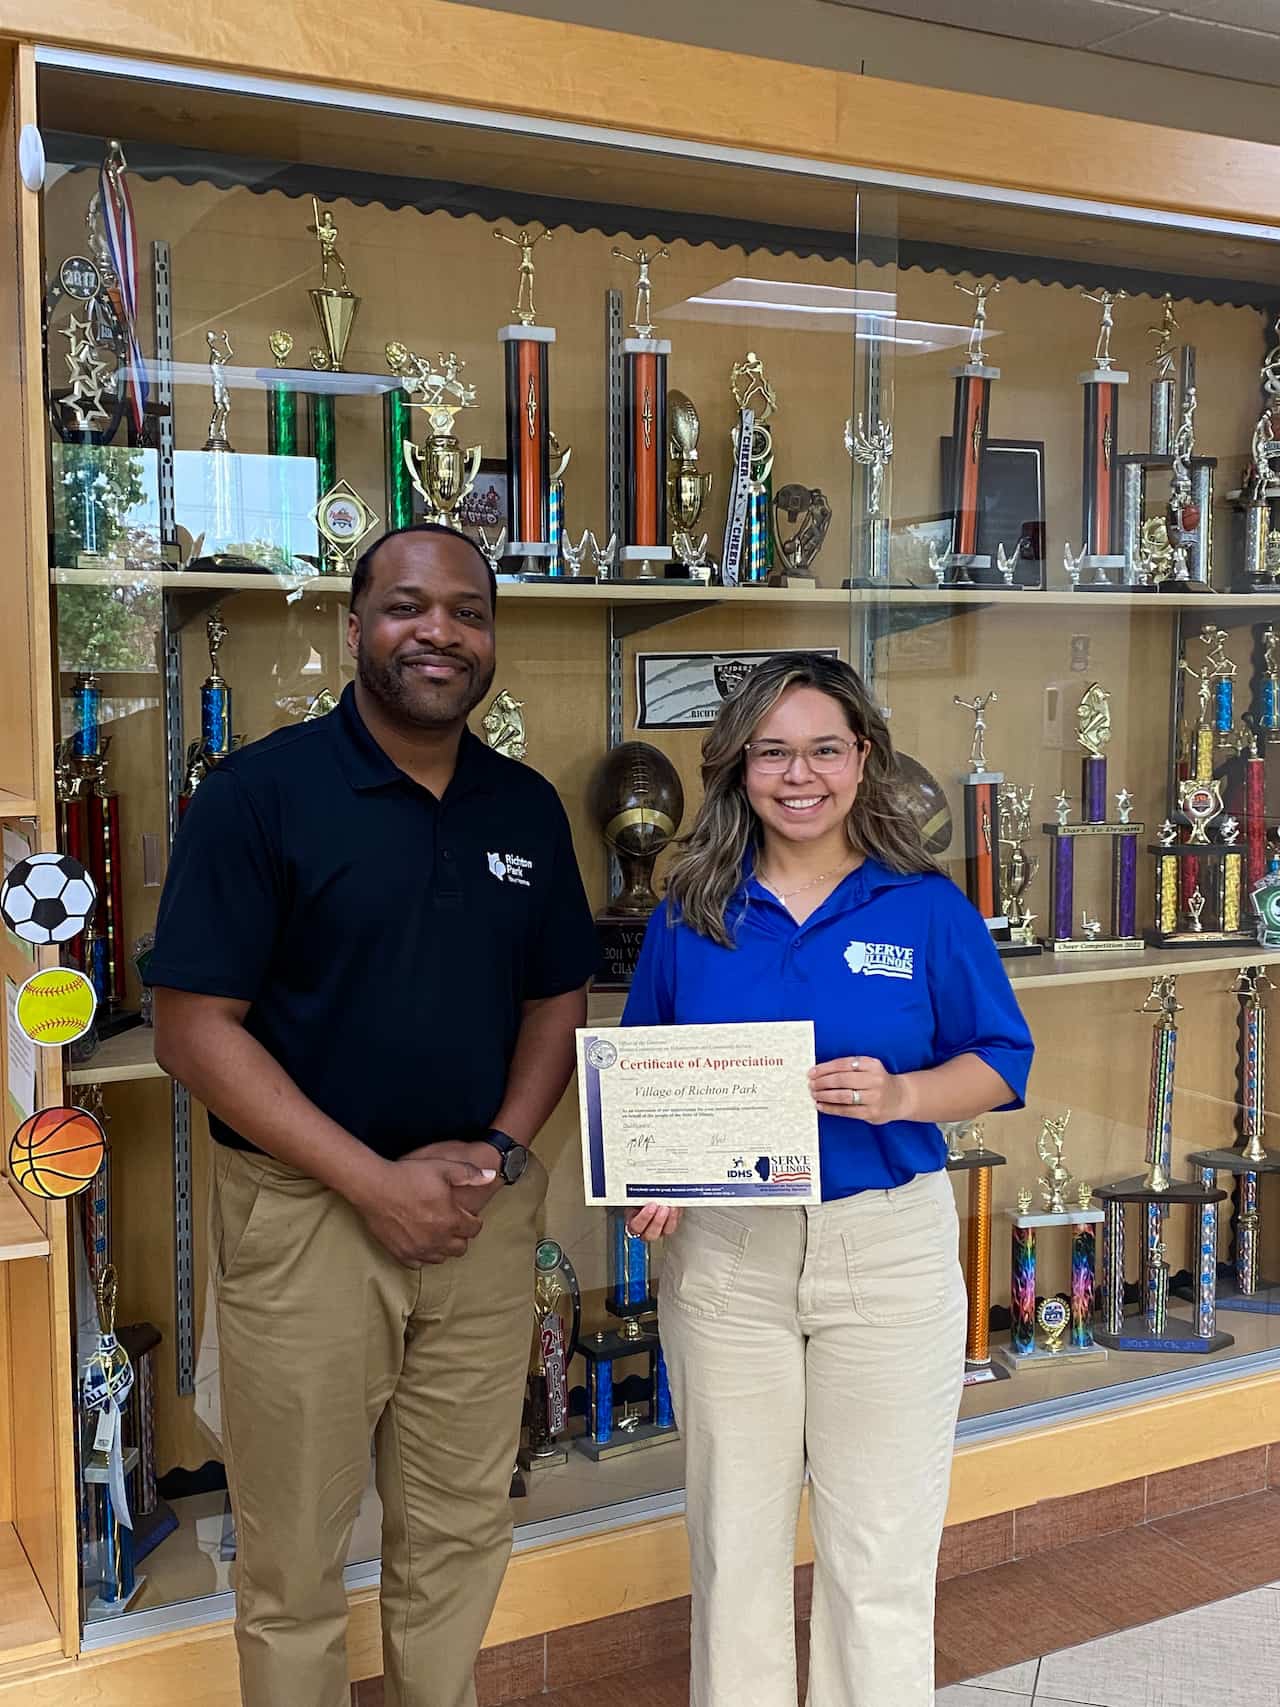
(364, 563)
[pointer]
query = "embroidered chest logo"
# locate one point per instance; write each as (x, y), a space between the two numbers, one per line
(511, 868)
(880, 960)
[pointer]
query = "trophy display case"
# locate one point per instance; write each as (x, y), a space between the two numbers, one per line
(694, 413)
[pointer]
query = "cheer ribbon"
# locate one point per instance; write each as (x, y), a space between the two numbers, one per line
(122, 246)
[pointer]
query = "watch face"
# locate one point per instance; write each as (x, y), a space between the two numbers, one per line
(547, 1256)
(514, 1163)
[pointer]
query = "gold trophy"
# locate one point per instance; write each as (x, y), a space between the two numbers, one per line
(336, 307)
(801, 517)
(220, 353)
(637, 801)
(440, 469)
(1056, 1177)
(503, 726)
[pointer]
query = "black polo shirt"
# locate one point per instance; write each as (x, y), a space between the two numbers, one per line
(383, 939)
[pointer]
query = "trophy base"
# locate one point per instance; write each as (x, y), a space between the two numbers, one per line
(620, 936)
(1093, 945)
(1264, 1300)
(1012, 948)
(1233, 1162)
(100, 1610)
(794, 580)
(687, 574)
(872, 584)
(1177, 1336)
(541, 577)
(1040, 1356)
(1268, 586)
(978, 1374)
(108, 1024)
(151, 1530)
(1201, 939)
(1136, 1190)
(620, 1442)
(1181, 587)
(545, 1458)
(969, 1159)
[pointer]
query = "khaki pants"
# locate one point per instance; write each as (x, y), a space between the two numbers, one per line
(831, 1338)
(327, 1343)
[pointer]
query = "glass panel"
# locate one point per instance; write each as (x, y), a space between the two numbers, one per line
(286, 387)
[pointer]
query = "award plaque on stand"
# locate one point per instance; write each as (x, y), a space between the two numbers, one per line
(1243, 1288)
(1101, 389)
(1153, 1193)
(1047, 1330)
(637, 801)
(644, 360)
(978, 1163)
(1093, 726)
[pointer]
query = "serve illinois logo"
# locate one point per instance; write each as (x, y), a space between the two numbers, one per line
(880, 960)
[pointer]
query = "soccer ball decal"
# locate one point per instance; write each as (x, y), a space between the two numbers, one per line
(48, 897)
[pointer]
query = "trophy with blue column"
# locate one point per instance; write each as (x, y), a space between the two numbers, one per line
(614, 1428)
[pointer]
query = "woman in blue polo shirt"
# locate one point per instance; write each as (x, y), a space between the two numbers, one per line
(828, 1337)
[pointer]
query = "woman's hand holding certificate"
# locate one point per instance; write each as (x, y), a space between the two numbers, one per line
(699, 1113)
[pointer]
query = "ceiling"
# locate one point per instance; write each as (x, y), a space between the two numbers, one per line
(1220, 38)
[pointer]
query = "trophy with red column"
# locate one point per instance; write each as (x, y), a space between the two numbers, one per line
(645, 411)
(1101, 388)
(526, 349)
(968, 451)
(89, 830)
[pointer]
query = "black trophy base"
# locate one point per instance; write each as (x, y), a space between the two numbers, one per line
(978, 1374)
(611, 1345)
(1200, 939)
(1013, 948)
(1233, 1162)
(1136, 1190)
(967, 1160)
(622, 1440)
(540, 578)
(620, 936)
(108, 1024)
(637, 1316)
(1177, 1336)
(1181, 587)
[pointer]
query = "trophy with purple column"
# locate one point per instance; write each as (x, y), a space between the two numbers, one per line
(1093, 732)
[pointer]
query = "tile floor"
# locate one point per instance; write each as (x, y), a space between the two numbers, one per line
(1181, 1612)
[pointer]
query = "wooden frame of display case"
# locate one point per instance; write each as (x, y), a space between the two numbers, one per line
(681, 100)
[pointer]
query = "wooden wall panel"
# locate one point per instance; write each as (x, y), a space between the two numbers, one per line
(497, 60)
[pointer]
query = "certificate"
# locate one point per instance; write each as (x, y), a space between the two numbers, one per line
(695, 1114)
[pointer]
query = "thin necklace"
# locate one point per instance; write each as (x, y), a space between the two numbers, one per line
(786, 894)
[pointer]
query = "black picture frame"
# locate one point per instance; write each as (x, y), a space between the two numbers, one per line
(1011, 507)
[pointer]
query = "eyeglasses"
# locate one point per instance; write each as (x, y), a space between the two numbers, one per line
(825, 757)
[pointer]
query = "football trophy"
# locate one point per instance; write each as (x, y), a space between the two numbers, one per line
(637, 800)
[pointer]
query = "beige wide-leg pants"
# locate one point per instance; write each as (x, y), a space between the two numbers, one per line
(327, 1343)
(830, 1338)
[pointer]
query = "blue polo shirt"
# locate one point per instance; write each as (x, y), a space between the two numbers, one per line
(899, 967)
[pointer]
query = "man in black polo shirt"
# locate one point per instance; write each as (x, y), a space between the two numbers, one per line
(370, 960)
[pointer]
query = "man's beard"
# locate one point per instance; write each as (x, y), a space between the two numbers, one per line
(410, 698)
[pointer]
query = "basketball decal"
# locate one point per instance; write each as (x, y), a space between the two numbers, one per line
(56, 1006)
(47, 898)
(57, 1152)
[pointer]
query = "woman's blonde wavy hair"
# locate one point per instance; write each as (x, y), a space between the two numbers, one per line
(707, 868)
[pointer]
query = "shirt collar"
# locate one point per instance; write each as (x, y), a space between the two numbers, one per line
(366, 766)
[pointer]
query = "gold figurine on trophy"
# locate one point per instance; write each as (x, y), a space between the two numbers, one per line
(336, 307)
(526, 242)
(1056, 1176)
(643, 259)
(687, 487)
(440, 469)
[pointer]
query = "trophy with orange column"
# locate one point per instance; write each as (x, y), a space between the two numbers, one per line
(645, 411)
(530, 477)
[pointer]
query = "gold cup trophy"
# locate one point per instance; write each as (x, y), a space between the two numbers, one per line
(439, 468)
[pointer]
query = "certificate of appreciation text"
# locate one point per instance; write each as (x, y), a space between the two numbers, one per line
(695, 1114)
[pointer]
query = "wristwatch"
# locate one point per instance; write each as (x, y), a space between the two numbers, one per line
(515, 1157)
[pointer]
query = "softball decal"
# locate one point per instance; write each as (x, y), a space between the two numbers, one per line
(56, 1006)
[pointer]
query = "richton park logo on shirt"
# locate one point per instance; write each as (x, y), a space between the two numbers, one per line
(511, 868)
(880, 959)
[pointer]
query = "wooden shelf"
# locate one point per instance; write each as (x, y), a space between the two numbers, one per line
(27, 1627)
(130, 1055)
(20, 1236)
(1056, 971)
(627, 593)
(17, 805)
